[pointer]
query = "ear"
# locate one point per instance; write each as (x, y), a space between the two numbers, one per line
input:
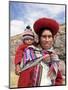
(55, 37)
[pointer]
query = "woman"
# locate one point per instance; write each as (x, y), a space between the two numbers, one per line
(41, 65)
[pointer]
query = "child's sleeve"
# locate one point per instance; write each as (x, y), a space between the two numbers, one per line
(19, 53)
(18, 56)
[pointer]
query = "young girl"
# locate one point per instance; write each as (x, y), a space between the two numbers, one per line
(28, 39)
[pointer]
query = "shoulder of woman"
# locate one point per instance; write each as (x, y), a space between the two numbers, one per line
(54, 51)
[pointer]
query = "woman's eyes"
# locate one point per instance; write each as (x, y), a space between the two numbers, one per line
(49, 36)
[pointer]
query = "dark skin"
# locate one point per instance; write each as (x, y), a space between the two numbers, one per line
(46, 39)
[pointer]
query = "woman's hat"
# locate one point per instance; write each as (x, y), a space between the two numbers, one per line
(46, 23)
(28, 34)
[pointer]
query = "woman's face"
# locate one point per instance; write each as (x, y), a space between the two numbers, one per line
(46, 39)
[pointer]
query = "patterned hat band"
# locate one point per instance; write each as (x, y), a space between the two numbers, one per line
(27, 37)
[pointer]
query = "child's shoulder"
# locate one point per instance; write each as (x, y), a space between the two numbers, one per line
(22, 46)
(34, 48)
(30, 47)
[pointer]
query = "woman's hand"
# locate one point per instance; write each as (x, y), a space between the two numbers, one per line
(46, 58)
(54, 56)
(17, 69)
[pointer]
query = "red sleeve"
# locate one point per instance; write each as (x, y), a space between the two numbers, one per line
(19, 53)
(59, 79)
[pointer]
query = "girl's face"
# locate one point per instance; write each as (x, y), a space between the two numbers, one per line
(46, 39)
(29, 41)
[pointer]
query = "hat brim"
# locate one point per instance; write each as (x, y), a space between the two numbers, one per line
(46, 23)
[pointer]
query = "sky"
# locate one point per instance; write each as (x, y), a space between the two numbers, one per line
(23, 14)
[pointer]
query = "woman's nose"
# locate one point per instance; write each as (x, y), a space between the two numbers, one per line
(47, 39)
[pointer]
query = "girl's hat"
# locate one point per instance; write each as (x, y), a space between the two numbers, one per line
(28, 34)
(46, 23)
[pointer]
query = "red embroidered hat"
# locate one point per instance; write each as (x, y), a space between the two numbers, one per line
(46, 23)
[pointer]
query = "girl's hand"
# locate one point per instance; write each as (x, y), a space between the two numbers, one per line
(17, 69)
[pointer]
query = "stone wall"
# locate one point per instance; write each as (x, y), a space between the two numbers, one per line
(60, 42)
